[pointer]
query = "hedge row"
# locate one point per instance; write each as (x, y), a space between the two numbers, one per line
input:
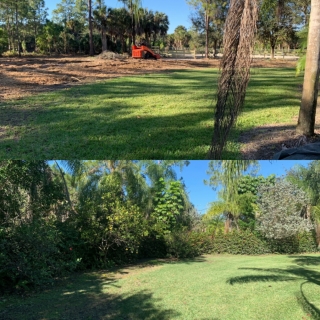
(191, 244)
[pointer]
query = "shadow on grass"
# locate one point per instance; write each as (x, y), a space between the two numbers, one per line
(291, 273)
(101, 120)
(306, 260)
(88, 296)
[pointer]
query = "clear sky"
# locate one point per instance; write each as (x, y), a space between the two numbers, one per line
(201, 195)
(177, 10)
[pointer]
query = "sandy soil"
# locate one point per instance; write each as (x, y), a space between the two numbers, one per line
(20, 77)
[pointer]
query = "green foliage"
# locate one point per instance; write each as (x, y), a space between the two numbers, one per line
(252, 243)
(33, 255)
(168, 205)
(281, 209)
(239, 242)
(187, 244)
(303, 42)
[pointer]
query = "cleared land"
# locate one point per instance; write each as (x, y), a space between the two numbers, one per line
(272, 287)
(29, 75)
(56, 108)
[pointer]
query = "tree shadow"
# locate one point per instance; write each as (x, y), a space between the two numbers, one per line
(306, 260)
(87, 297)
(291, 273)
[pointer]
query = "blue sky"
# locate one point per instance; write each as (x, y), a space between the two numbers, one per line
(177, 10)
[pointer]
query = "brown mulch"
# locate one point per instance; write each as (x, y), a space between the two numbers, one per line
(29, 75)
(261, 143)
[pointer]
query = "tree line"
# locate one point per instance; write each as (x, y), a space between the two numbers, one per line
(58, 217)
(83, 26)
(77, 26)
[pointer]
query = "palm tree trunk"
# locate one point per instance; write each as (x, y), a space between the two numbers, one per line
(308, 105)
(65, 188)
(103, 39)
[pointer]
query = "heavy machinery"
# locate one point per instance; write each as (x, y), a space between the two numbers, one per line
(143, 52)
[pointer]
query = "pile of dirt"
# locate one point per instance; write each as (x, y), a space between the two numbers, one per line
(109, 55)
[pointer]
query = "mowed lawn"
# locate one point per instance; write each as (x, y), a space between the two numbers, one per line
(210, 287)
(157, 116)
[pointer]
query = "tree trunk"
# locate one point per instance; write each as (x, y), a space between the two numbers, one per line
(272, 51)
(318, 234)
(17, 28)
(207, 36)
(133, 30)
(103, 39)
(308, 105)
(90, 27)
(67, 194)
(227, 224)
(215, 43)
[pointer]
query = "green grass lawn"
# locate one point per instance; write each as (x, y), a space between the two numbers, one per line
(158, 116)
(211, 287)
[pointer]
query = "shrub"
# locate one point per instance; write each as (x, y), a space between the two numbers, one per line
(246, 242)
(183, 244)
(280, 209)
(31, 255)
(239, 242)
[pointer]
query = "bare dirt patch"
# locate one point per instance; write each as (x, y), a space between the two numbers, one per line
(24, 76)
(264, 141)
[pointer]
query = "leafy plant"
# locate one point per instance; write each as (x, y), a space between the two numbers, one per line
(281, 208)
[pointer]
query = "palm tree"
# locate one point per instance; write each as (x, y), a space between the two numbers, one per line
(101, 17)
(308, 105)
(226, 174)
(133, 7)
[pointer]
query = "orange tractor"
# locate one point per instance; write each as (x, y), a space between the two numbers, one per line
(143, 52)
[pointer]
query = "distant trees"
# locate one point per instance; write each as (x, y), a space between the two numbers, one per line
(78, 26)
(276, 23)
(22, 20)
(209, 17)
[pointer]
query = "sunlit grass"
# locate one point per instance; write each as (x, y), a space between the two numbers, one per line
(273, 287)
(159, 116)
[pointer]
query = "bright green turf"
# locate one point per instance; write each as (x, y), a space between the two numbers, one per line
(272, 287)
(158, 116)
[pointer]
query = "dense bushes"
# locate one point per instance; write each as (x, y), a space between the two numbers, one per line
(33, 255)
(239, 242)
(187, 244)
(246, 242)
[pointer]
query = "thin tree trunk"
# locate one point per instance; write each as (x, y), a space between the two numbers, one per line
(90, 27)
(207, 36)
(103, 39)
(308, 105)
(17, 28)
(272, 51)
(66, 188)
